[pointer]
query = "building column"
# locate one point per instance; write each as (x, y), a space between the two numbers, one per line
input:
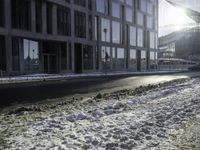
(33, 16)
(8, 38)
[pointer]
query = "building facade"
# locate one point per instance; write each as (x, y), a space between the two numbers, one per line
(77, 36)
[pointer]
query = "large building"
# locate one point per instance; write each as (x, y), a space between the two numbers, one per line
(77, 36)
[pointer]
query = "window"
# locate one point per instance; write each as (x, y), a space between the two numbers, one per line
(16, 48)
(115, 32)
(133, 60)
(143, 60)
(152, 63)
(149, 22)
(1, 13)
(115, 9)
(129, 14)
(140, 18)
(21, 14)
(120, 58)
(80, 24)
(63, 56)
(87, 58)
(105, 57)
(105, 30)
(2, 54)
(102, 6)
(140, 37)
(38, 10)
(143, 5)
(31, 55)
(132, 36)
(90, 27)
(151, 40)
(80, 2)
(150, 8)
(96, 22)
(63, 21)
(49, 18)
(129, 2)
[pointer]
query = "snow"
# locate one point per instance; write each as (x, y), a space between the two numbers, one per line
(133, 122)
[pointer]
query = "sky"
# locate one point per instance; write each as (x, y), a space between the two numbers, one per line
(172, 19)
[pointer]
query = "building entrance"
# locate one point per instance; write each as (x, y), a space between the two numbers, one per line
(50, 63)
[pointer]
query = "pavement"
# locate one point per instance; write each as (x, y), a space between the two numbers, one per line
(80, 87)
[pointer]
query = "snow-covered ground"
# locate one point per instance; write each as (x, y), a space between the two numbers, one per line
(146, 121)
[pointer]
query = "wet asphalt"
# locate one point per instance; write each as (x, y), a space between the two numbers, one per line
(47, 90)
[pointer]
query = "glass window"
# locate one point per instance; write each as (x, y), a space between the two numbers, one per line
(16, 47)
(105, 56)
(38, 12)
(1, 13)
(132, 36)
(129, 2)
(21, 14)
(88, 57)
(102, 6)
(120, 58)
(49, 12)
(143, 5)
(133, 60)
(105, 30)
(140, 37)
(152, 40)
(115, 32)
(80, 24)
(149, 22)
(115, 9)
(2, 54)
(80, 2)
(63, 57)
(96, 20)
(150, 8)
(63, 20)
(31, 55)
(152, 63)
(140, 18)
(129, 14)
(143, 60)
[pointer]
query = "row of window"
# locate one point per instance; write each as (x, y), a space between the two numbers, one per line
(136, 35)
(116, 58)
(127, 13)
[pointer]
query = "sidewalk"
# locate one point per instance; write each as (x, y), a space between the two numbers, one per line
(49, 77)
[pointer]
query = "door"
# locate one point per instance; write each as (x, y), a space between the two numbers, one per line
(78, 58)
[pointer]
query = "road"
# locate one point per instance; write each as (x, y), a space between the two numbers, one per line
(40, 91)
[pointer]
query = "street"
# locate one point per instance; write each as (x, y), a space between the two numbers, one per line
(40, 91)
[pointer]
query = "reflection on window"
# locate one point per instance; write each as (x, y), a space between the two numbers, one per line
(152, 63)
(132, 36)
(105, 57)
(105, 30)
(133, 61)
(149, 22)
(140, 37)
(143, 60)
(115, 9)
(129, 2)
(2, 54)
(102, 6)
(152, 40)
(115, 32)
(140, 18)
(143, 5)
(129, 14)
(31, 55)
(120, 58)
(88, 57)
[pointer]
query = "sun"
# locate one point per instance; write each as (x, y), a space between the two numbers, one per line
(178, 18)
